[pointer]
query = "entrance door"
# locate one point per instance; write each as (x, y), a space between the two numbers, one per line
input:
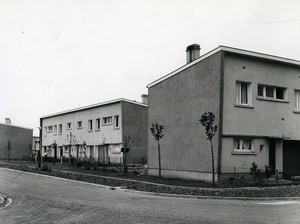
(103, 153)
(91, 153)
(272, 155)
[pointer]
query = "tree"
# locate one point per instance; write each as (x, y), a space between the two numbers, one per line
(125, 149)
(8, 149)
(156, 131)
(207, 120)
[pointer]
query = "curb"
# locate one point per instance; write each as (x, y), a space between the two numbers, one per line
(161, 194)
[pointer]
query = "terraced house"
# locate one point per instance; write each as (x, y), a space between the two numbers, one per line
(256, 100)
(97, 132)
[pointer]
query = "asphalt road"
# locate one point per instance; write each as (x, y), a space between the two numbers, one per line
(41, 199)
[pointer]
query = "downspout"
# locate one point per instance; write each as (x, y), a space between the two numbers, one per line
(221, 115)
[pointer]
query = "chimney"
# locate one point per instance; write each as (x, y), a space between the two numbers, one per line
(144, 99)
(7, 121)
(192, 52)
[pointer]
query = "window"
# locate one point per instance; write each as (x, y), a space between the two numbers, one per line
(50, 128)
(243, 94)
(243, 145)
(98, 124)
(69, 126)
(79, 124)
(116, 121)
(90, 125)
(271, 92)
(297, 100)
(60, 129)
(55, 129)
(107, 120)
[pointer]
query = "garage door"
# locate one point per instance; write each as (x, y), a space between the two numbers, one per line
(291, 157)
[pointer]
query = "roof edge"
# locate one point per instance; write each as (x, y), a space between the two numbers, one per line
(94, 106)
(230, 50)
(16, 126)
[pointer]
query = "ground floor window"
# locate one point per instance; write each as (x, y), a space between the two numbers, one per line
(243, 145)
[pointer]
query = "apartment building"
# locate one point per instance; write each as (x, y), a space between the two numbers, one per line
(15, 141)
(97, 132)
(256, 100)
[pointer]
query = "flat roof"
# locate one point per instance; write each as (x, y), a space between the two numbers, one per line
(230, 50)
(94, 106)
(15, 126)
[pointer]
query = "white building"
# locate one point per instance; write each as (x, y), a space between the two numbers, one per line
(97, 132)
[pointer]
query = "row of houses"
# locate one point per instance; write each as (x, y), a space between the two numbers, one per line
(254, 96)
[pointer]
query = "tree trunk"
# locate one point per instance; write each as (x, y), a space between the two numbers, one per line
(70, 155)
(213, 163)
(159, 162)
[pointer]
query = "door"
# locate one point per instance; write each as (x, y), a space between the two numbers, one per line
(272, 156)
(91, 153)
(291, 157)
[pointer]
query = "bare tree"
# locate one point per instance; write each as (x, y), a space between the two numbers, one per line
(156, 131)
(207, 120)
(8, 149)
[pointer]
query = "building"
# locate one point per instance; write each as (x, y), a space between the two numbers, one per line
(35, 145)
(256, 100)
(97, 132)
(19, 140)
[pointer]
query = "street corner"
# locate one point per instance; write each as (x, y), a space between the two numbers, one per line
(4, 201)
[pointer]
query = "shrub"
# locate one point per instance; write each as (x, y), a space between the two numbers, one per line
(256, 174)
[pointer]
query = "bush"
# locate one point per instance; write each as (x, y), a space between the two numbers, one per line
(256, 174)
(45, 167)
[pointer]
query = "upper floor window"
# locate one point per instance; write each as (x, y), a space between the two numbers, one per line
(243, 93)
(50, 128)
(55, 129)
(69, 125)
(116, 121)
(60, 129)
(98, 124)
(79, 124)
(243, 145)
(90, 125)
(107, 120)
(297, 100)
(271, 92)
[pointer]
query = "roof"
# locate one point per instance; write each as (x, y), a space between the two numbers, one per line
(16, 126)
(230, 50)
(94, 106)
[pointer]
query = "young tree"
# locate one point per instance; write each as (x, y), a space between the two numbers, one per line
(127, 141)
(8, 149)
(156, 131)
(207, 120)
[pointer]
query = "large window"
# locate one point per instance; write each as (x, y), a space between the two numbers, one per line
(243, 145)
(271, 92)
(243, 93)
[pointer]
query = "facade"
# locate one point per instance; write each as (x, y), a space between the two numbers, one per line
(19, 139)
(97, 132)
(256, 100)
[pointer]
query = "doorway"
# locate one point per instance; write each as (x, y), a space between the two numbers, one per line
(272, 156)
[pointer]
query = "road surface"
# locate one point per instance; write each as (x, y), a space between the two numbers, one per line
(42, 199)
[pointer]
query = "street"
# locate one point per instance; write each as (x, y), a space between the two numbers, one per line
(41, 199)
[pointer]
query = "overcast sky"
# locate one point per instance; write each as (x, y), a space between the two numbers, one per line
(61, 54)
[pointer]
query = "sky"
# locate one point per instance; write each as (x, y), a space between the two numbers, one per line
(57, 55)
